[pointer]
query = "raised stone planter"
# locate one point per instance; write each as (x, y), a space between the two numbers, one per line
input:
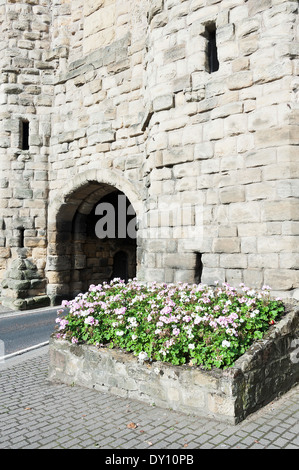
(267, 370)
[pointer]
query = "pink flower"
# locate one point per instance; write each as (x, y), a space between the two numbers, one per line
(169, 343)
(166, 310)
(90, 321)
(187, 318)
(62, 323)
(120, 311)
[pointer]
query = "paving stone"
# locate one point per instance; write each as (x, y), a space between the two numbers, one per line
(105, 425)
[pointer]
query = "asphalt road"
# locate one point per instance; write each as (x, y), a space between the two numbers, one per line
(21, 331)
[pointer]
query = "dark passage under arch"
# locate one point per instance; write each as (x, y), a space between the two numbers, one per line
(98, 259)
(121, 266)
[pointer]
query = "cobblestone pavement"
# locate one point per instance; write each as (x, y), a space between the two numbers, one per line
(38, 415)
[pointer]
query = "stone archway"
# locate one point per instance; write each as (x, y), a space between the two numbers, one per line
(76, 258)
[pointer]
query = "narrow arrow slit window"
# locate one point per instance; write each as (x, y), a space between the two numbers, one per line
(21, 237)
(212, 53)
(25, 135)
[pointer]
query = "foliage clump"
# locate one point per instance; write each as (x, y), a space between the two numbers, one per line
(178, 323)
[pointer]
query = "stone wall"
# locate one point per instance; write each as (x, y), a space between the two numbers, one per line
(267, 370)
(120, 95)
(225, 141)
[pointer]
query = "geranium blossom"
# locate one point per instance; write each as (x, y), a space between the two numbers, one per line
(90, 321)
(166, 310)
(62, 323)
(120, 311)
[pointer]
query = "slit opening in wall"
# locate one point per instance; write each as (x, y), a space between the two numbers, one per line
(24, 135)
(198, 268)
(212, 52)
(21, 237)
(120, 266)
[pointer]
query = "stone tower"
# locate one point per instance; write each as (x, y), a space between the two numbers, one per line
(186, 108)
(26, 98)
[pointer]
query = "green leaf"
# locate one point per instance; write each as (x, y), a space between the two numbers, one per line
(258, 335)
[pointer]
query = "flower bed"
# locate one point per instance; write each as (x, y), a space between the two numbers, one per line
(174, 323)
(209, 352)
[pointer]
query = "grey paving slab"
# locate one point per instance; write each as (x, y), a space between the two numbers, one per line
(35, 414)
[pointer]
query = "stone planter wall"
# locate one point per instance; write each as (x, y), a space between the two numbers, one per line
(268, 369)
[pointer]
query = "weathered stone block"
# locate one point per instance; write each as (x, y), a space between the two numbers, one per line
(282, 279)
(174, 53)
(240, 80)
(163, 102)
(18, 285)
(226, 245)
(232, 194)
(235, 261)
(180, 260)
(281, 210)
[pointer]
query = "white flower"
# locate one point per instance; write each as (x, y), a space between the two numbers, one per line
(251, 292)
(142, 356)
(252, 314)
(119, 333)
(225, 344)
(132, 321)
(191, 346)
(134, 337)
(231, 331)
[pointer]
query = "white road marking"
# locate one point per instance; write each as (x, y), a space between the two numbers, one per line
(22, 351)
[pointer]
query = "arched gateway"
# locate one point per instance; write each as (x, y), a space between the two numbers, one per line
(87, 245)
